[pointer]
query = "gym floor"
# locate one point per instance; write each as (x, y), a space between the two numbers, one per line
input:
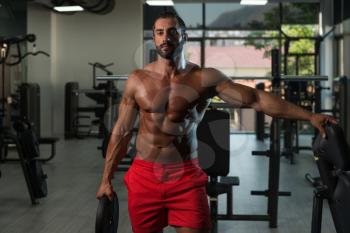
(74, 175)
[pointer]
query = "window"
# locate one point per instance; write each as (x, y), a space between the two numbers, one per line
(237, 40)
(241, 17)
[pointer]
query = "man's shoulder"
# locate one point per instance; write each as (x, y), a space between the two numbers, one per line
(192, 69)
(211, 76)
(146, 70)
(137, 74)
(191, 65)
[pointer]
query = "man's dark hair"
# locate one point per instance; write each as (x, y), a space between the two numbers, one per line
(170, 14)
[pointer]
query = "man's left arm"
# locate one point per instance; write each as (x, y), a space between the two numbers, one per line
(272, 105)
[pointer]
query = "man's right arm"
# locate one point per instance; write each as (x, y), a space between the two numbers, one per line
(120, 136)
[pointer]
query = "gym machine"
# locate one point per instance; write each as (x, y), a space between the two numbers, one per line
(341, 100)
(26, 102)
(216, 160)
(332, 155)
(24, 137)
(298, 93)
(27, 105)
(105, 95)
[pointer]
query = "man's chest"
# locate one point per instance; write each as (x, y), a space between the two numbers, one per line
(176, 95)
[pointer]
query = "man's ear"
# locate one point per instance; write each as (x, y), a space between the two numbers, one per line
(185, 37)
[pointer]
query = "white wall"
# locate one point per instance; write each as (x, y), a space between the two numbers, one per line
(76, 40)
(39, 67)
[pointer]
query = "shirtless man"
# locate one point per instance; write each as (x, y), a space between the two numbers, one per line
(165, 184)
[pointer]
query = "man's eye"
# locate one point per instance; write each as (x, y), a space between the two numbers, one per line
(173, 32)
(159, 33)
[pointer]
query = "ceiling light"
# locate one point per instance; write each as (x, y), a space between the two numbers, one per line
(160, 2)
(253, 2)
(68, 8)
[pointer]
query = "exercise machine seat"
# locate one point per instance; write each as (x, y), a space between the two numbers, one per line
(213, 134)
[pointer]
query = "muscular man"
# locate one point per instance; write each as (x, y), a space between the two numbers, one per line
(165, 184)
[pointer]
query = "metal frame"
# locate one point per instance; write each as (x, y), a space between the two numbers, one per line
(272, 193)
(42, 141)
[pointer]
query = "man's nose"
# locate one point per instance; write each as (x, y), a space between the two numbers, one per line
(169, 40)
(167, 37)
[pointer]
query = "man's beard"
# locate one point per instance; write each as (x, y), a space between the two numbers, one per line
(170, 53)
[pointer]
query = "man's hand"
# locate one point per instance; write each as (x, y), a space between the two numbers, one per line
(105, 189)
(320, 120)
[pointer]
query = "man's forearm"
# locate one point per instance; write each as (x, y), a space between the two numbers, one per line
(276, 107)
(116, 150)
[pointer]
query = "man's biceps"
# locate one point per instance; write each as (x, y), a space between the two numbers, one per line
(128, 108)
(228, 87)
(128, 116)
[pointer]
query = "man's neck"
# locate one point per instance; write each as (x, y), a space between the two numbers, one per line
(169, 67)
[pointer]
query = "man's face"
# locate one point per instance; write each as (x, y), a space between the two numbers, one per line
(168, 37)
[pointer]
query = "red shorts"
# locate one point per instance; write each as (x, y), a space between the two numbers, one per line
(167, 194)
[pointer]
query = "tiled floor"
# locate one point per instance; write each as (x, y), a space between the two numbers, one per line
(74, 175)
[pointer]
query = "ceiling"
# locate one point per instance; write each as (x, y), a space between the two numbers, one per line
(92, 6)
(189, 1)
(232, 1)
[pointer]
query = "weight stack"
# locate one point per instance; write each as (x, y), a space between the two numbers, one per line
(71, 110)
(30, 105)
